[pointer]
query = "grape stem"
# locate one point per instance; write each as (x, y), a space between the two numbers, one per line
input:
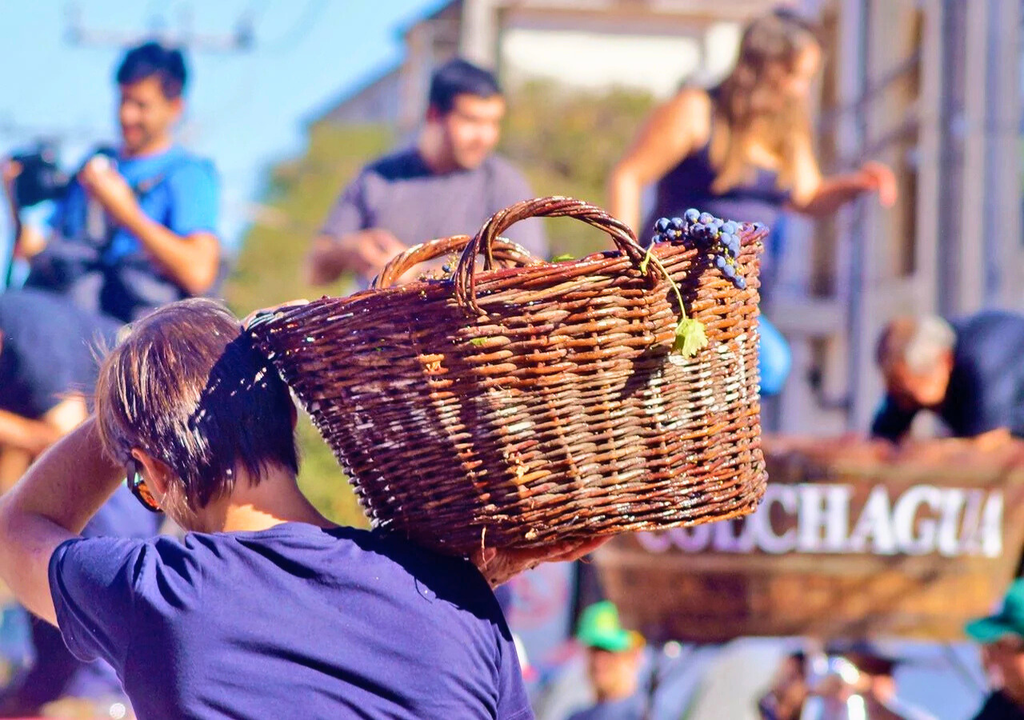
(690, 335)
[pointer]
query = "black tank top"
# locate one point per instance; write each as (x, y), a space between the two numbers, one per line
(688, 185)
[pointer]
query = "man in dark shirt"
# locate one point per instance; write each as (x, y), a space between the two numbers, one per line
(266, 609)
(970, 373)
(1002, 640)
(47, 368)
(449, 183)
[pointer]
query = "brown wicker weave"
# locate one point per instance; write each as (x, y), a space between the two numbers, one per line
(512, 406)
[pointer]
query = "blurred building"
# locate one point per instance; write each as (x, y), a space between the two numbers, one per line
(592, 44)
(932, 87)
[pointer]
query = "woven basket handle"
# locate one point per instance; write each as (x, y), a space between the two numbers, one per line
(505, 251)
(484, 242)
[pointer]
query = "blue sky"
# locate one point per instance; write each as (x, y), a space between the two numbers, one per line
(244, 108)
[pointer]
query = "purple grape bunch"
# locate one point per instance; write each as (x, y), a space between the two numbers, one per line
(720, 238)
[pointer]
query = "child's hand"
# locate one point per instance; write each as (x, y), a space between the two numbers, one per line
(500, 566)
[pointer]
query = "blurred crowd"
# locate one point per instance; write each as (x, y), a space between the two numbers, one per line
(838, 680)
(136, 228)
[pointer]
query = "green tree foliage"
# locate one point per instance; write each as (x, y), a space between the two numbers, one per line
(269, 271)
(298, 197)
(566, 142)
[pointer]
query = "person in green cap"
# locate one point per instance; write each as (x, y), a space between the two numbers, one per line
(1002, 639)
(614, 655)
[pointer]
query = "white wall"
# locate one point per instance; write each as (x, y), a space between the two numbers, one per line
(596, 60)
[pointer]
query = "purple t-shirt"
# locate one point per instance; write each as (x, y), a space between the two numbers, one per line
(294, 621)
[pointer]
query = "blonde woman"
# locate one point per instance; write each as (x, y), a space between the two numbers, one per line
(743, 150)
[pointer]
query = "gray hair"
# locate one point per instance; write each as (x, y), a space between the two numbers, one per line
(919, 342)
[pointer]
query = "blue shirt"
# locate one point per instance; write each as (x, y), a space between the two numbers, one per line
(294, 621)
(101, 265)
(55, 673)
(120, 516)
(177, 189)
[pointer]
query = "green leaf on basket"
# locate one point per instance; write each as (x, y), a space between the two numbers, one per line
(690, 337)
(563, 256)
(478, 341)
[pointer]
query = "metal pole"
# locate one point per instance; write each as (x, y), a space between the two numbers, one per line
(860, 241)
(952, 130)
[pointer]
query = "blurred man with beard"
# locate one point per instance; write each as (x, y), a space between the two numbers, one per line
(448, 183)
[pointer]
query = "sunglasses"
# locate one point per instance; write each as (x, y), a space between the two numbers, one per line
(139, 489)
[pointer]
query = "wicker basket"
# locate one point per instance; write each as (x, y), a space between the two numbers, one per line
(512, 406)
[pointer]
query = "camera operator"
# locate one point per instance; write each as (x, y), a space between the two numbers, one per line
(136, 227)
(30, 179)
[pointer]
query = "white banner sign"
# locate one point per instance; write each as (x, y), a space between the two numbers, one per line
(817, 518)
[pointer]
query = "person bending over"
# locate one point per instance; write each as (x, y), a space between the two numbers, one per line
(969, 372)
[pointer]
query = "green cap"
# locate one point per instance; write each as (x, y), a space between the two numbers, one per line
(600, 628)
(1008, 621)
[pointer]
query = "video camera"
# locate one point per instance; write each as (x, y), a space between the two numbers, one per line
(41, 177)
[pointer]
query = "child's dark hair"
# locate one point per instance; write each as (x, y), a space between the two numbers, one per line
(186, 385)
